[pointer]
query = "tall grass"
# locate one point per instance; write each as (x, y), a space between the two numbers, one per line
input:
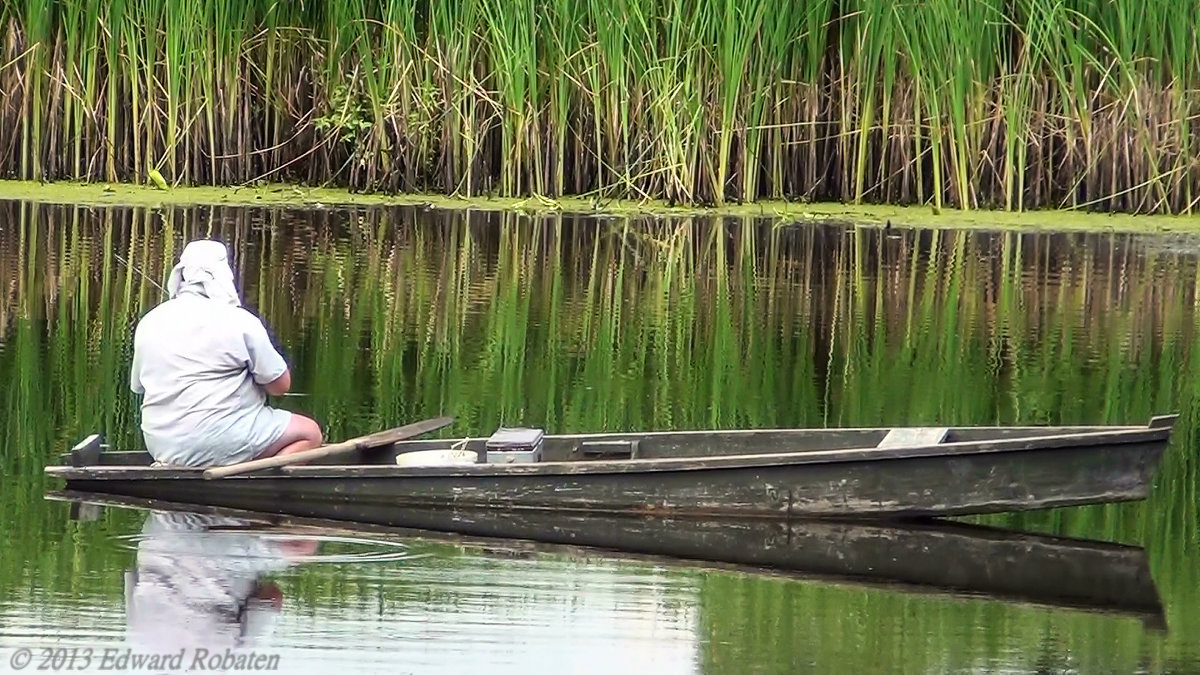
(1018, 105)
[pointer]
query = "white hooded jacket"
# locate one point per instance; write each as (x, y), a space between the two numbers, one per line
(200, 361)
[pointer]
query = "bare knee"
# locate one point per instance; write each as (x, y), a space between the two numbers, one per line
(302, 433)
(307, 429)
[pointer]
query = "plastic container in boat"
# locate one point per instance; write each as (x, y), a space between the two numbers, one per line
(437, 458)
(514, 445)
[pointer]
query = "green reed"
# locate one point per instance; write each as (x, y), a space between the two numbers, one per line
(1017, 105)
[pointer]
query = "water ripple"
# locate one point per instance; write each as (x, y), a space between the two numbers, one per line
(377, 550)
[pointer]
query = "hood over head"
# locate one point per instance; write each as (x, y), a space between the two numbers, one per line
(204, 270)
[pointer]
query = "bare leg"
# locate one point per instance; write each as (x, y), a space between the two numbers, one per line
(302, 433)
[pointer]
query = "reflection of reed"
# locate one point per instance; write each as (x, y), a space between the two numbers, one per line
(391, 314)
(589, 324)
(610, 324)
(579, 324)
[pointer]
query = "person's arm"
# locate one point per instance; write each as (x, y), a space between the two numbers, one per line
(135, 371)
(280, 385)
(266, 364)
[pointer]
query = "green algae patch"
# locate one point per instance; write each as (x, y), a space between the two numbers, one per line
(784, 213)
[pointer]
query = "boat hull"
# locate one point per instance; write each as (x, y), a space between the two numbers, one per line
(1013, 474)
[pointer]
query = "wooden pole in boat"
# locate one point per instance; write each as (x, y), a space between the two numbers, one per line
(377, 439)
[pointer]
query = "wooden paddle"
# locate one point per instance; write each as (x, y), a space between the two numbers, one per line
(377, 439)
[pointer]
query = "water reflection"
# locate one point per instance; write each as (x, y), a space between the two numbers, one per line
(198, 583)
(687, 597)
(933, 557)
(397, 314)
(328, 594)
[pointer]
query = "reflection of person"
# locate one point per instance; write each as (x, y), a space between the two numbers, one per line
(195, 587)
(205, 366)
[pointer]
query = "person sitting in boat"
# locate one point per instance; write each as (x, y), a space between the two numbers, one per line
(204, 366)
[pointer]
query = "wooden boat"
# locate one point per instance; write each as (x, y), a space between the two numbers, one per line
(929, 557)
(811, 473)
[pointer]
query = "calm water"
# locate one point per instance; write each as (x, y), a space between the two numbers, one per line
(393, 315)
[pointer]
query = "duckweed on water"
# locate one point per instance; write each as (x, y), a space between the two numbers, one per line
(786, 213)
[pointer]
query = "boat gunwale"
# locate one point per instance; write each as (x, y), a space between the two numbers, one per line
(1124, 435)
(618, 435)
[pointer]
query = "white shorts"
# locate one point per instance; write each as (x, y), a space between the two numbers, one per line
(241, 441)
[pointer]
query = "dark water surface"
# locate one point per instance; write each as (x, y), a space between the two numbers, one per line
(584, 324)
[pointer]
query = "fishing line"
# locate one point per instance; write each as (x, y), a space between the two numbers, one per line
(140, 273)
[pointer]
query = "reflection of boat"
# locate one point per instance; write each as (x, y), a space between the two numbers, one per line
(791, 473)
(196, 584)
(926, 557)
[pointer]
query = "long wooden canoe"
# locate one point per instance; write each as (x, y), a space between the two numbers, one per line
(811, 473)
(924, 557)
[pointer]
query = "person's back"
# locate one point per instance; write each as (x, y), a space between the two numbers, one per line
(204, 367)
(199, 364)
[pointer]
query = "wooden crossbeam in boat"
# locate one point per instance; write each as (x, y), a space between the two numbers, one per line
(909, 437)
